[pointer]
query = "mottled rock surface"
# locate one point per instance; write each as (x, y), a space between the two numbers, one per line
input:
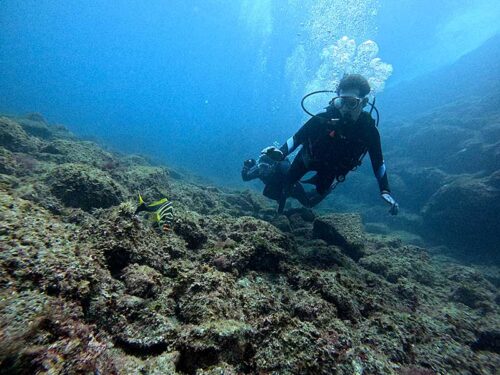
(448, 212)
(228, 290)
(343, 230)
(81, 186)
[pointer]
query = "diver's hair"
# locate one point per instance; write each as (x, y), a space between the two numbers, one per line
(354, 81)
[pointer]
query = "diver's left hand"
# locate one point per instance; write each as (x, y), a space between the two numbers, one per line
(390, 200)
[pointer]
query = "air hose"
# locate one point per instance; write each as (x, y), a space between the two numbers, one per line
(372, 104)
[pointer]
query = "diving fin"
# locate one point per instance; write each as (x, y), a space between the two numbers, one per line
(311, 180)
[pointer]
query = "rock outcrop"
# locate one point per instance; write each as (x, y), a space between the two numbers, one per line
(89, 287)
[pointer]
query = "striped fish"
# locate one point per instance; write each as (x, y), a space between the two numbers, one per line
(159, 212)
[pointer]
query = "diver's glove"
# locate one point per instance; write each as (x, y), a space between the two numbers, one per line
(386, 196)
(249, 170)
(274, 153)
(247, 164)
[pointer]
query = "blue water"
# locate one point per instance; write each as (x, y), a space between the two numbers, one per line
(205, 84)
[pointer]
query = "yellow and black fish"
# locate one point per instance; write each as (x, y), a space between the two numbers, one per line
(159, 212)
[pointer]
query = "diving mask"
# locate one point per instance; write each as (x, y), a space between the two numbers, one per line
(347, 102)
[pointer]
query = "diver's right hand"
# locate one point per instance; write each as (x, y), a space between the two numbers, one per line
(274, 153)
(386, 196)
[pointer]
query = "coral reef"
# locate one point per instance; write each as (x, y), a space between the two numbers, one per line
(89, 287)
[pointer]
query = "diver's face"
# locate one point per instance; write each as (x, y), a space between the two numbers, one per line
(351, 104)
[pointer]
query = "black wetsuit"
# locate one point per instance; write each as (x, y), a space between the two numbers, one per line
(273, 175)
(333, 149)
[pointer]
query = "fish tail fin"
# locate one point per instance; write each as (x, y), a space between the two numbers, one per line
(141, 206)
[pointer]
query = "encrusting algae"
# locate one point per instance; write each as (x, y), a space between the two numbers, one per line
(89, 287)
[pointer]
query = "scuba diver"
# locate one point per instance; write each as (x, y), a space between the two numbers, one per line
(334, 142)
(272, 168)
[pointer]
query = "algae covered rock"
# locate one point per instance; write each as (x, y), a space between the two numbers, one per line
(471, 296)
(7, 165)
(151, 182)
(45, 335)
(189, 227)
(14, 138)
(389, 263)
(343, 230)
(210, 295)
(290, 348)
(488, 340)
(35, 125)
(282, 223)
(251, 244)
(81, 186)
(104, 292)
(213, 342)
(245, 201)
(465, 212)
(321, 255)
(82, 152)
(120, 239)
(142, 281)
(145, 332)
